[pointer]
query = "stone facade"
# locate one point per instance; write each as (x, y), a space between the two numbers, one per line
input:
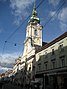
(42, 62)
(51, 63)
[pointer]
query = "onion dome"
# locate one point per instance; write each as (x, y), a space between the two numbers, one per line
(34, 18)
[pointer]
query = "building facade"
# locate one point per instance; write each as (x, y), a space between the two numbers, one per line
(42, 62)
(51, 63)
(33, 42)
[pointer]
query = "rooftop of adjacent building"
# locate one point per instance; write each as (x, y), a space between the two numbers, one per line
(46, 45)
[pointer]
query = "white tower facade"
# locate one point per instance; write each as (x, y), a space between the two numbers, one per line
(33, 32)
(32, 42)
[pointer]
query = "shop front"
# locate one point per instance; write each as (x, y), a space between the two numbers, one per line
(53, 79)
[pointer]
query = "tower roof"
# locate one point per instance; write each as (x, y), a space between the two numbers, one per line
(34, 12)
(34, 18)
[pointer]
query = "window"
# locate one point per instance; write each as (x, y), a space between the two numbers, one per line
(35, 32)
(40, 57)
(17, 69)
(63, 62)
(53, 52)
(39, 66)
(33, 68)
(45, 66)
(53, 63)
(31, 42)
(30, 68)
(62, 58)
(61, 48)
(45, 54)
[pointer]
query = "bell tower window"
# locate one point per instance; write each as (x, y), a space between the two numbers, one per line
(35, 32)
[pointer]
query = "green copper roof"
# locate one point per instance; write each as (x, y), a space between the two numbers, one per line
(34, 12)
(34, 18)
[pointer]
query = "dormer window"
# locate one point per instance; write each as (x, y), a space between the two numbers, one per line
(46, 55)
(53, 52)
(61, 48)
(35, 32)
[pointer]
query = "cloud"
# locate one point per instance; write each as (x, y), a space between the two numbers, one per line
(3, 69)
(53, 14)
(4, 64)
(62, 17)
(54, 2)
(20, 9)
(8, 58)
(63, 26)
(7, 61)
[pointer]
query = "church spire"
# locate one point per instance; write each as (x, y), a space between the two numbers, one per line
(34, 18)
(34, 12)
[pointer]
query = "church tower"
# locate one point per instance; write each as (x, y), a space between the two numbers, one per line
(33, 32)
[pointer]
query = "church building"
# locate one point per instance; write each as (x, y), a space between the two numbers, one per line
(42, 62)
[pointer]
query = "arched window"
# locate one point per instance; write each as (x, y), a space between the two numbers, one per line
(35, 32)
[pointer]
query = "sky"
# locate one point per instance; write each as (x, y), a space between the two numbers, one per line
(14, 17)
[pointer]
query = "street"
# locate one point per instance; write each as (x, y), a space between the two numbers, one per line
(10, 86)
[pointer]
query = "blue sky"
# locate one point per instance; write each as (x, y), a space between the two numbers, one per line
(14, 12)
